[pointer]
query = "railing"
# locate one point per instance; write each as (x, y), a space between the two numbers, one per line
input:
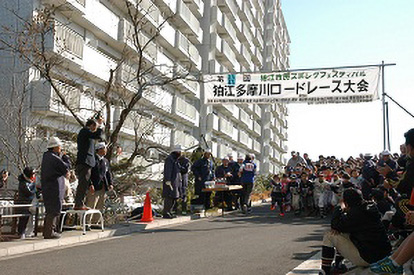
(69, 40)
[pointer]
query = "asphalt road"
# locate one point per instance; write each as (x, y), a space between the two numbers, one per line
(261, 243)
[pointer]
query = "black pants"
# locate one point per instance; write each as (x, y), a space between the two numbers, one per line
(51, 224)
(21, 228)
(83, 172)
(246, 192)
(168, 205)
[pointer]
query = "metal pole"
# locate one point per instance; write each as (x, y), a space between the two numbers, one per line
(388, 125)
(383, 106)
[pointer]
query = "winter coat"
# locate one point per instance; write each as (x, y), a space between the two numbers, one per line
(53, 172)
(184, 166)
(365, 229)
(235, 168)
(26, 190)
(172, 174)
(203, 171)
(86, 146)
(101, 174)
(221, 171)
(406, 184)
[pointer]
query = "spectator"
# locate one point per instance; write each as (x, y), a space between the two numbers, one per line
(402, 160)
(55, 166)
(184, 165)
(405, 252)
(321, 187)
(101, 179)
(203, 170)
(172, 182)
(86, 158)
(26, 194)
(308, 162)
(3, 179)
(247, 174)
(357, 234)
(295, 159)
(235, 180)
(356, 179)
(224, 172)
(387, 167)
(370, 176)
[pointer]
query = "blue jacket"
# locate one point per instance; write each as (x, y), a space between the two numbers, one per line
(248, 171)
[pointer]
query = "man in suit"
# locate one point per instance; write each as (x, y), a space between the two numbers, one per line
(86, 158)
(101, 180)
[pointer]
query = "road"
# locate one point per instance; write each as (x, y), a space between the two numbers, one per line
(261, 243)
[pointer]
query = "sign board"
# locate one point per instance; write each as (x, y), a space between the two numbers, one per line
(349, 85)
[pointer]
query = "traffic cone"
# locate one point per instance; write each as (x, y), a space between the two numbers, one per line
(147, 214)
(412, 198)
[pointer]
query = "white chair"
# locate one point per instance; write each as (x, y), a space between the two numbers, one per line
(83, 214)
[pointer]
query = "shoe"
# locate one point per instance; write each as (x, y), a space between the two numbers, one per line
(82, 208)
(282, 214)
(340, 269)
(386, 266)
(169, 216)
(53, 236)
(22, 236)
(244, 209)
(272, 207)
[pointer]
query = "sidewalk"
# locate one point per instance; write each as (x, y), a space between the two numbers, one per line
(17, 246)
(75, 237)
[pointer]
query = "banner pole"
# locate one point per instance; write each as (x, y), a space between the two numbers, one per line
(383, 107)
(388, 125)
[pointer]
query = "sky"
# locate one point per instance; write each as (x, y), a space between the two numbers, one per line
(331, 33)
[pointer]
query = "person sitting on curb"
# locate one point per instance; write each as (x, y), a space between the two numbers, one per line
(357, 234)
(394, 263)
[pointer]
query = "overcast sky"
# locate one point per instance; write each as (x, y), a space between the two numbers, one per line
(329, 33)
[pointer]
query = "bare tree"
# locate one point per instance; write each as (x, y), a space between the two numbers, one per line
(134, 74)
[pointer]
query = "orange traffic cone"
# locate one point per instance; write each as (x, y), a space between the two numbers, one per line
(147, 214)
(412, 197)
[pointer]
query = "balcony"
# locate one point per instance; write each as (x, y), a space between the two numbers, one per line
(256, 146)
(159, 98)
(244, 138)
(184, 139)
(188, 49)
(68, 43)
(245, 119)
(257, 128)
(98, 63)
(45, 100)
(225, 127)
(103, 18)
(196, 6)
(168, 7)
(186, 17)
(185, 110)
(68, 6)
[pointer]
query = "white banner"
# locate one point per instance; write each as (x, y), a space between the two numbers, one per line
(350, 85)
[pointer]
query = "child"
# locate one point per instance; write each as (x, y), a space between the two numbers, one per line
(295, 192)
(320, 189)
(277, 194)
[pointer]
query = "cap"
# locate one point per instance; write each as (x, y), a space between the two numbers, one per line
(230, 155)
(385, 153)
(29, 172)
(54, 142)
(367, 155)
(100, 145)
(225, 158)
(240, 157)
(208, 150)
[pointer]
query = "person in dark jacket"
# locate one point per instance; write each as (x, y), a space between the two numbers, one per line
(26, 194)
(247, 173)
(55, 166)
(101, 179)
(172, 182)
(203, 170)
(184, 165)
(370, 176)
(4, 175)
(357, 233)
(224, 171)
(86, 158)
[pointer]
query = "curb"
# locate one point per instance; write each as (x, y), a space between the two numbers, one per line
(15, 248)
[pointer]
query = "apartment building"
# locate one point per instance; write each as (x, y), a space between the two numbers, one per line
(209, 36)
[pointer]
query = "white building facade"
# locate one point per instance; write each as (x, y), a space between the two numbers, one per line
(209, 36)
